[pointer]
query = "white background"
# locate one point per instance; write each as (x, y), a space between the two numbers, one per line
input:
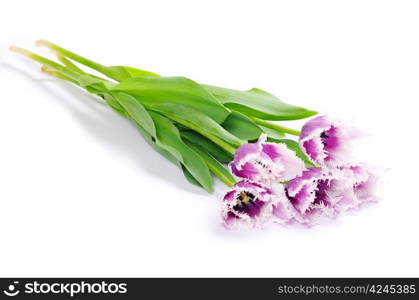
(81, 194)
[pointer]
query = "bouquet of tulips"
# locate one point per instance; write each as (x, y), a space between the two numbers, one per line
(202, 128)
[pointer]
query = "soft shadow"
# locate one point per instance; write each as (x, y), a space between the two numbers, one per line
(111, 130)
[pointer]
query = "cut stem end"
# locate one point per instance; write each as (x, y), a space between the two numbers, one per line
(20, 51)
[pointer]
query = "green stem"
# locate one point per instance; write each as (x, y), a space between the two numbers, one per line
(73, 67)
(276, 127)
(82, 79)
(57, 74)
(68, 63)
(227, 181)
(80, 59)
(45, 61)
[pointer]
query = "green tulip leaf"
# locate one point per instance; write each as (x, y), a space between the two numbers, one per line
(272, 132)
(220, 154)
(120, 73)
(114, 104)
(258, 103)
(242, 127)
(197, 121)
(214, 165)
(136, 111)
(168, 137)
(189, 177)
(152, 142)
(176, 90)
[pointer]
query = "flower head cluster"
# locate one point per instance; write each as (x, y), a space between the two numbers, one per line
(266, 162)
(277, 186)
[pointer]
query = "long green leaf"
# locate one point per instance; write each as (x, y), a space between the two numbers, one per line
(168, 137)
(173, 155)
(220, 154)
(215, 166)
(170, 157)
(197, 121)
(189, 177)
(272, 132)
(152, 142)
(114, 104)
(242, 127)
(258, 103)
(136, 111)
(120, 73)
(177, 90)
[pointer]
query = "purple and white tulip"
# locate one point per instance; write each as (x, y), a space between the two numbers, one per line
(266, 162)
(364, 182)
(326, 141)
(255, 204)
(322, 192)
(283, 211)
(308, 189)
(247, 202)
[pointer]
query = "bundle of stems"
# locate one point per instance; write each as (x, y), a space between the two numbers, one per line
(197, 126)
